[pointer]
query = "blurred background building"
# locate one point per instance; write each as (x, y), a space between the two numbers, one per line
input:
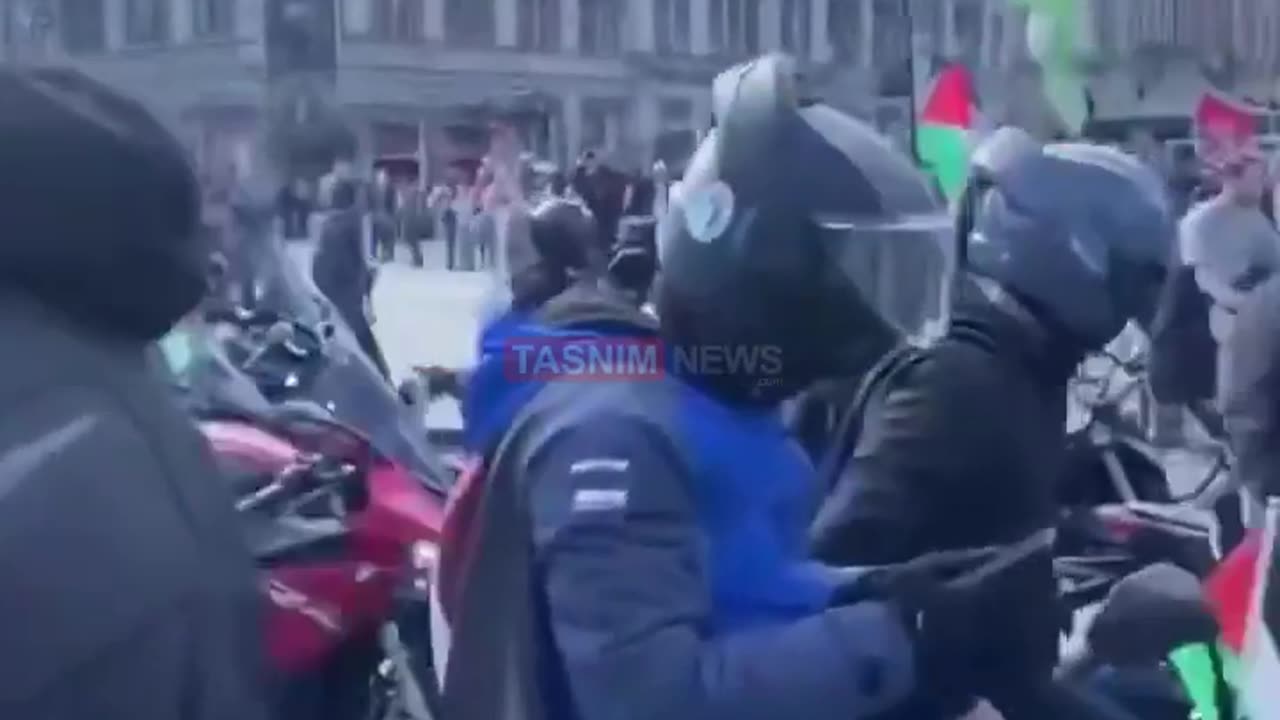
(422, 79)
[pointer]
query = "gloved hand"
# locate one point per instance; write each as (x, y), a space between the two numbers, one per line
(939, 596)
(440, 381)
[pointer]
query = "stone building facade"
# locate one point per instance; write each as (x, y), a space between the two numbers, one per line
(629, 77)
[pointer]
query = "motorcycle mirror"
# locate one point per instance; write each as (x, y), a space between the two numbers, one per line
(1149, 614)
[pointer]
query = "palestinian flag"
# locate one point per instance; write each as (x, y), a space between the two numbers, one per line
(1245, 594)
(944, 127)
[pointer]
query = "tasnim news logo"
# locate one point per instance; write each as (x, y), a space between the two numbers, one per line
(619, 358)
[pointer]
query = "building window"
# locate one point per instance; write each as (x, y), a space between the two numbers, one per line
(405, 18)
(735, 27)
(598, 131)
(891, 44)
(844, 29)
(539, 25)
(384, 20)
(146, 22)
(213, 18)
(797, 22)
(968, 21)
(83, 26)
(600, 26)
(469, 23)
(671, 20)
(1151, 22)
(675, 113)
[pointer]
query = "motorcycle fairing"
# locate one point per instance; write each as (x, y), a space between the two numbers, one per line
(277, 541)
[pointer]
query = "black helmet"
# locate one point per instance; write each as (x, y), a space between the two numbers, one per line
(557, 246)
(788, 224)
(99, 205)
(1081, 233)
(633, 262)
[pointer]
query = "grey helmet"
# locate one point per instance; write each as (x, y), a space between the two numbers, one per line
(1080, 233)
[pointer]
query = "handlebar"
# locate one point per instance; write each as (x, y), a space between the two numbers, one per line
(260, 319)
(299, 480)
(1134, 366)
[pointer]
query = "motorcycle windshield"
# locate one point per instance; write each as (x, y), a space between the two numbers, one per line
(357, 396)
(348, 384)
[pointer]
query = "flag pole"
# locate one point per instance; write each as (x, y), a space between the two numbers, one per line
(913, 124)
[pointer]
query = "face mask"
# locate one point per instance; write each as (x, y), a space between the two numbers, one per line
(178, 351)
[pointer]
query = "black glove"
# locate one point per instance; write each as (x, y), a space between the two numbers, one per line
(939, 596)
(441, 381)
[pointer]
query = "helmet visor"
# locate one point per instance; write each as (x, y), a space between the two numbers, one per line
(903, 268)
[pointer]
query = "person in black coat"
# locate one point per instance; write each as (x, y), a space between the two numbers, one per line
(603, 189)
(342, 271)
(961, 444)
(129, 592)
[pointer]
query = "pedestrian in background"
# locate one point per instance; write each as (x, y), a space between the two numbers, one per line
(441, 202)
(414, 219)
(342, 270)
(383, 212)
(603, 189)
(1230, 247)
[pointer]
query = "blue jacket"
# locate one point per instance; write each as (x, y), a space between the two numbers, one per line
(493, 397)
(670, 536)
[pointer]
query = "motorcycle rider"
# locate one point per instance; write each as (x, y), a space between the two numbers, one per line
(960, 444)
(640, 548)
(547, 252)
(129, 594)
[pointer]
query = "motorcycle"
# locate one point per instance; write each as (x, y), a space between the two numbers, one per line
(342, 500)
(346, 540)
(1119, 513)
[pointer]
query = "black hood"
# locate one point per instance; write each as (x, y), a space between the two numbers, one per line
(99, 206)
(589, 303)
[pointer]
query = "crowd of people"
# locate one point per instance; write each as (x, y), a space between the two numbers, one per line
(644, 547)
(464, 210)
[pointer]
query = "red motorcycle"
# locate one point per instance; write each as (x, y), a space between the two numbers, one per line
(340, 492)
(347, 540)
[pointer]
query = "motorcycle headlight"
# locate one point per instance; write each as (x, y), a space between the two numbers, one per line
(423, 556)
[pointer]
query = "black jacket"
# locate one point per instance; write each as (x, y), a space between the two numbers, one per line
(129, 594)
(960, 448)
(340, 266)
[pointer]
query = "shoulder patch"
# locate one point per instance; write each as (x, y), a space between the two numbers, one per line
(613, 465)
(599, 500)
